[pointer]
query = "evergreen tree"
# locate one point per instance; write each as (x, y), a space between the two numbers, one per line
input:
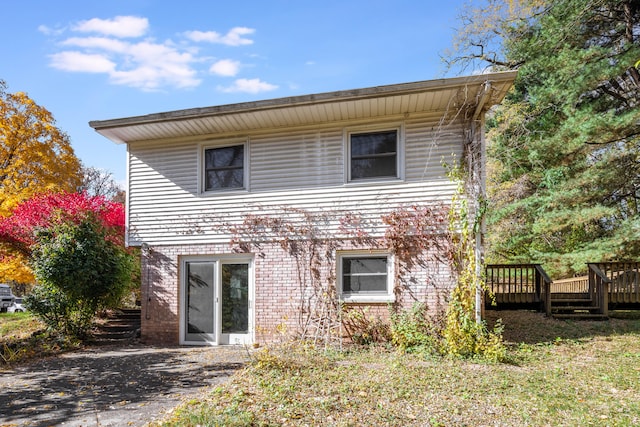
(565, 145)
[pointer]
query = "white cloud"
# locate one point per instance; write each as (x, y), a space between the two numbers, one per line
(120, 26)
(112, 45)
(119, 49)
(153, 65)
(143, 65)
(82, 62)
(50, 31)
(152, 78)
(248, 86)
(225, 67)
(232, 38)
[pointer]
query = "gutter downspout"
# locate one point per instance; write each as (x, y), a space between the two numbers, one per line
(478, 124)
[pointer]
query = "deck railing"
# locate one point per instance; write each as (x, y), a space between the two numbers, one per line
(517, 283)
(520, 285)
(599, 288)
(623, 280)
(572, 285)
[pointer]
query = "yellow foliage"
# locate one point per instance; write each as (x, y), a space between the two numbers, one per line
(35, 157)
(15, 268)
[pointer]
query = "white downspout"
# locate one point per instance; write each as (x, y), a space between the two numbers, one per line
(478, 127)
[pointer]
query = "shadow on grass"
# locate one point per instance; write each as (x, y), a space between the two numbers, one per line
(530, 327)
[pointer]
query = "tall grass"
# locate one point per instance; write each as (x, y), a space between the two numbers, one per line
(564, 373)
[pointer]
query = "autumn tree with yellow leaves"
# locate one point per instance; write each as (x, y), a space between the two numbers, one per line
(35, 157)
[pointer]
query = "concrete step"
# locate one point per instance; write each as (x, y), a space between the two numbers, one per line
(125, 314)
(119, 326)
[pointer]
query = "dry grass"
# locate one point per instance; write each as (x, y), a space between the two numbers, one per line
(23, 338)
(18, 325)
(561, 373)
(530, 327)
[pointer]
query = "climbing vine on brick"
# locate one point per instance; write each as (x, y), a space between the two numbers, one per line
(306, 237)
(463, 334)
(418, 236)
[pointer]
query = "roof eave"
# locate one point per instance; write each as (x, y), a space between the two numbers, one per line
(103, 126)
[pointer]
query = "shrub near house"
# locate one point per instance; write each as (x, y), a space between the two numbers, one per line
(75, 246)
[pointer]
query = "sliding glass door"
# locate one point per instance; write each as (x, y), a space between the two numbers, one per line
(216, 307)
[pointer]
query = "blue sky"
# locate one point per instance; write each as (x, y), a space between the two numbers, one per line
(118, 58)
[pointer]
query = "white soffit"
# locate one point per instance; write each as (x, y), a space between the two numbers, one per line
(446, 95)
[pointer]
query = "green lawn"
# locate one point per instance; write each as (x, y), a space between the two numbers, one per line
(17, 325)
(23, 338)
(560, 373)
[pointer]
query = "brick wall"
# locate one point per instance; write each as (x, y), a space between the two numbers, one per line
(278, 293)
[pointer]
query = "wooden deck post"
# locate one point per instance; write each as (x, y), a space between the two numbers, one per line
(547, 298)
(604, 308)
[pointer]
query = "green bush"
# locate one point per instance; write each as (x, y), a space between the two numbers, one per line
(80, 271)
(414, 331)
(59, 312)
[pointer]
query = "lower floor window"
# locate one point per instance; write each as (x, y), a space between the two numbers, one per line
(365, 276)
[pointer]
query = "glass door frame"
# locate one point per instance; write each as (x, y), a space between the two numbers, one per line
(217, 338)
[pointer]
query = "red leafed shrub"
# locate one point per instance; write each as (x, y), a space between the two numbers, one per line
(18, 230)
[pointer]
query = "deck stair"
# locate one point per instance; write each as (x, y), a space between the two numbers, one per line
(575, 306)
(607, 285)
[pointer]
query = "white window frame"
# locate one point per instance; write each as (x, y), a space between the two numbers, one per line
(399, 128)
(202, 166)
(387, 296)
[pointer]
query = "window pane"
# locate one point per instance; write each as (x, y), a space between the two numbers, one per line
(224, 168)
(374, 155)
(371, 168)
(362, 284)
(235, 298)
(363, 144)
(227, 156)
(200, 310)
(364, 275)
(233, 178)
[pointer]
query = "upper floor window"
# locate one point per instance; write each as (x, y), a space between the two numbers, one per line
(373, 155)
(224, 168)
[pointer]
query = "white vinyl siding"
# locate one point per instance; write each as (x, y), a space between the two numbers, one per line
(296, 160)
(299, 168)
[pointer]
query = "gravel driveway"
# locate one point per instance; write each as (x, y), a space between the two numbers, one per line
(111, 386)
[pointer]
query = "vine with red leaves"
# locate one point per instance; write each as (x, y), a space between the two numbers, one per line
(303, 236)
(416, 235)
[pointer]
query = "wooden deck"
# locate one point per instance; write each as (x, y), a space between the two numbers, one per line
(515, 285)
(624, 284)
(606, 286)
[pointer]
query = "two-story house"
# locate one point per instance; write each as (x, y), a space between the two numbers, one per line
(264, 218)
